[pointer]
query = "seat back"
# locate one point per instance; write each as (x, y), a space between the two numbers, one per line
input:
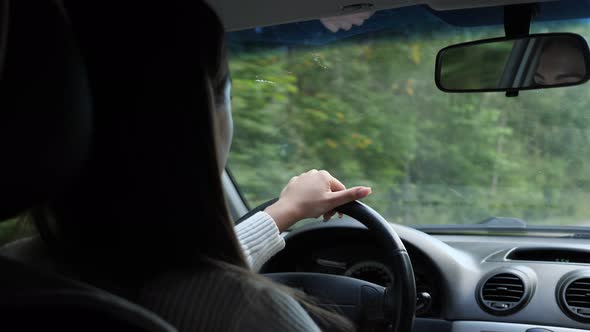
(35, 300)
(45, 130)
(45, 113)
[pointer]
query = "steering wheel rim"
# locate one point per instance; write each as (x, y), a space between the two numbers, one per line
(403, 293)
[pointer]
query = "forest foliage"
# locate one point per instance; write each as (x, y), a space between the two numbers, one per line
(367, 110)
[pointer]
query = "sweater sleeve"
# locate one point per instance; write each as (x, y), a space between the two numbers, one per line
(260, 239)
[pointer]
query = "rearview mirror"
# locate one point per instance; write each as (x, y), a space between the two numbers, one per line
(512, 64)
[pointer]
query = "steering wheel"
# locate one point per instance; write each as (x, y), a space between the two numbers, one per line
(364, 303)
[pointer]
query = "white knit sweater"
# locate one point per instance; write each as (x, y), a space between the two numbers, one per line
(260, 239)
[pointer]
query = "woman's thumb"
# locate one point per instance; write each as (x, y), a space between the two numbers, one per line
(349, 195)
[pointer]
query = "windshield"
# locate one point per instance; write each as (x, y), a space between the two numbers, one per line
(363, 105)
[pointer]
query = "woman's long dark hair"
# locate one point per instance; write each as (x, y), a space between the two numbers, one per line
(151, 194)
(150, 199)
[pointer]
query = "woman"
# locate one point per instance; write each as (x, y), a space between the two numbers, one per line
(147, 219)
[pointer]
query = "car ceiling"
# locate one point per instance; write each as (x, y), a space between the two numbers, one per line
(243, 14)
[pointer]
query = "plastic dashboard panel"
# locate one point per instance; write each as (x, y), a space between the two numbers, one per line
(462, 262)
(465, 326)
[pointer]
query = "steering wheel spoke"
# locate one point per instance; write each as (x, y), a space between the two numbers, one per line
(364, 303)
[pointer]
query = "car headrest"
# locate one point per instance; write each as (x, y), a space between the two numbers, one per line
(45, 107)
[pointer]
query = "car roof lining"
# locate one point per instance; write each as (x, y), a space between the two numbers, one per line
(239, 15)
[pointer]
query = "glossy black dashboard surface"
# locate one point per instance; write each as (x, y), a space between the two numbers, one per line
(449, 268)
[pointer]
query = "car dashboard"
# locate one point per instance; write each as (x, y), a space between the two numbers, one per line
(463, 282)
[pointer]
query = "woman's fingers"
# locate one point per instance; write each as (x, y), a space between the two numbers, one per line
(344, 196)
(336, 185)
(329, 215)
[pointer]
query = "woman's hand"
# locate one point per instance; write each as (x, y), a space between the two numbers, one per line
(311, 195)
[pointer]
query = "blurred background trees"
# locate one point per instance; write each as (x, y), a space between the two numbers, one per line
(367, 110)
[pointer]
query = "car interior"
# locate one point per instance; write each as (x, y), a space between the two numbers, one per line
(386, 264)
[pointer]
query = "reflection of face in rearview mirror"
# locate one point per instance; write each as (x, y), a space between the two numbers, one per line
(561, 62)
(513, 64)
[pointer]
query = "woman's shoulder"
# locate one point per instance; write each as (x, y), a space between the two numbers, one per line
(224, 298)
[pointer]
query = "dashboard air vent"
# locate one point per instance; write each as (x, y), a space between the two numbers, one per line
(503, 293)
(574, 297)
